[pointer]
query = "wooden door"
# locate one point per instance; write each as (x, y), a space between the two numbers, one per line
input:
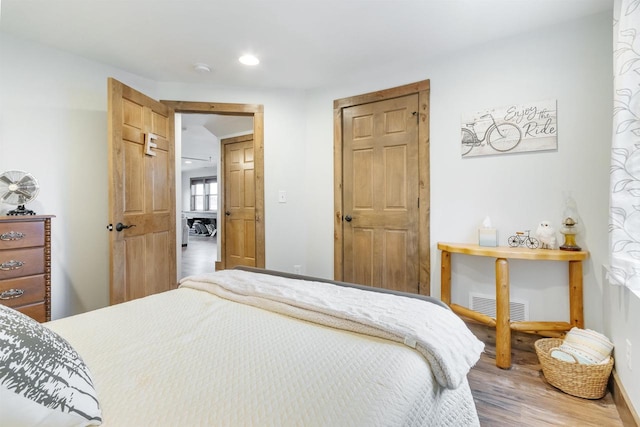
(141, 194)
(380, 194)
(239, 202)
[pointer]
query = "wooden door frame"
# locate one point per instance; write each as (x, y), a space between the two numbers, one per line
(257, 112)
(422, 88)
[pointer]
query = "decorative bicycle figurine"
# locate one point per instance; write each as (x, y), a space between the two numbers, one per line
(501, 137)
(523, 238)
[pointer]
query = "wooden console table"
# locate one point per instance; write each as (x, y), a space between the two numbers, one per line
(502, 321)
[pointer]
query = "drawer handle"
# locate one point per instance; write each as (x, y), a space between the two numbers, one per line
(12, 235)
(11, 293)
(11, 265)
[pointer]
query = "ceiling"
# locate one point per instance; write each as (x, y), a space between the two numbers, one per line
(302, 44)
(198, 144)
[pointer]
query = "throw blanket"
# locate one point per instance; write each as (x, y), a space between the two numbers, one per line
(437, 333)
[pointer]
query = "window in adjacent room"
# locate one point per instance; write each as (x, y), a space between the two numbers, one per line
(204, 194)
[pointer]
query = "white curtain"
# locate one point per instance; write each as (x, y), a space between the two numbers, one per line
(624, 220)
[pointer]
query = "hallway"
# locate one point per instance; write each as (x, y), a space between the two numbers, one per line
(199, 256)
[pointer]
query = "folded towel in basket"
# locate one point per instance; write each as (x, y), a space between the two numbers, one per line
(587, 346)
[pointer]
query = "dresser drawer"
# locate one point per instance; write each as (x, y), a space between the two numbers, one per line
(22, 291)
(38, 312)
(25, 264)
(21, 235)
(21, 262)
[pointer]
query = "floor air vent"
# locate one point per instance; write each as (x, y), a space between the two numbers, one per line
(486, 304)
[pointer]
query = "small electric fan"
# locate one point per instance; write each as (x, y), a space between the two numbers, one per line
(18, 188)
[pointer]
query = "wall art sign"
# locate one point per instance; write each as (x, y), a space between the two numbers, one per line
(512, 129)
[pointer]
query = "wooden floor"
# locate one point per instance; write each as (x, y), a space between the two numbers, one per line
(521, 397)
(199, 256)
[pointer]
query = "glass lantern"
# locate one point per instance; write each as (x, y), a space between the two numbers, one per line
(570, 225)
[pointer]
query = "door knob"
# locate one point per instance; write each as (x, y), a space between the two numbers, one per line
(120, 226)
(227, 213)
(348, 218)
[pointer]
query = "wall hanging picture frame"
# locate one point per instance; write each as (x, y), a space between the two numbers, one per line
(513, 128)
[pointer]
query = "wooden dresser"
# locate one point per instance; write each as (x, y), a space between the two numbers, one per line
(25, 264)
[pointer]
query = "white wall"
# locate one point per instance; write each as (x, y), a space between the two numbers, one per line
(622, 317)
(53, 124)
(572, 64)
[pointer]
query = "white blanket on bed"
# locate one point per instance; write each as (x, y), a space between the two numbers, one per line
(436, 333)
(189, 358)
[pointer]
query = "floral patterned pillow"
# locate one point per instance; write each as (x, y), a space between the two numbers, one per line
(43, 380)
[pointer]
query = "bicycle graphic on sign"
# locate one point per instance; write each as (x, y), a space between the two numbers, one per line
(500, 136)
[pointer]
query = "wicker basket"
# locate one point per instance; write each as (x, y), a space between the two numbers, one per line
(586, 381)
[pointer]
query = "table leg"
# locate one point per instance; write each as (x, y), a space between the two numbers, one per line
(503, 315)
(445, 278)
(576, 309)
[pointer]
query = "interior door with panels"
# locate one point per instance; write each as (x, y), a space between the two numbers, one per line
(239, 202)
(381, 194)
(141, 194)
(381, 167)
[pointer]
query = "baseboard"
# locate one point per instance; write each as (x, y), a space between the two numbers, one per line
(628, 415)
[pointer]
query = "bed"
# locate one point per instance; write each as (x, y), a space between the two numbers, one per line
(262, 348)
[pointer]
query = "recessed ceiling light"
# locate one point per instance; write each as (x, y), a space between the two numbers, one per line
(249, 60)
(202, 68)
(188, 162)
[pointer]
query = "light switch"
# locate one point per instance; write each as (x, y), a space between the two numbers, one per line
(282, 196)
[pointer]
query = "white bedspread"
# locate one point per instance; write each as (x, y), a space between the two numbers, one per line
(189, 358)
(437, 333)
